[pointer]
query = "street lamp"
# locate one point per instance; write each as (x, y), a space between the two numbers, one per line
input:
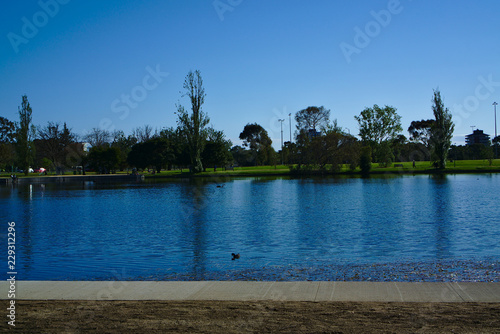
(290, 118)
(495, 106)
(281, 122)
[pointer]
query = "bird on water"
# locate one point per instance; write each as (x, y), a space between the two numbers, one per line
(235, 256)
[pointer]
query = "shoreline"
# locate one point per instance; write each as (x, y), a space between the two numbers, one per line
(221, 307)
(257, 172)
(324, 173)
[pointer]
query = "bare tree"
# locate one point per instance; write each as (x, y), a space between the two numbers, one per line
(54, 142)
(143, 134)
(98, 137)
(312, 118)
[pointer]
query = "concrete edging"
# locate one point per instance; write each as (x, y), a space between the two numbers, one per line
(319, 291)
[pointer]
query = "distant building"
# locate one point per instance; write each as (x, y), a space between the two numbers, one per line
(477, 137)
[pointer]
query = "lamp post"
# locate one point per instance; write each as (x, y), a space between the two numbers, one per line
(281, 122)
(290, 118)
(496, 144)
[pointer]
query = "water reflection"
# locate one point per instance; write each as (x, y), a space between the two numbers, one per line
(442, 204)
(192, 213)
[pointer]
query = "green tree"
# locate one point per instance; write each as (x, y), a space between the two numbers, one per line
(480, 152)
(7, 139)
(139, 156)
(378, 125)
(385, 154)
(193, 126)
(124, 145)
(441, 131)
(155, 153)
(420, 131)
(177, 145)
(104, 159)
(312, 118)
(242, 157)
(7, 130)
(216, 152)
(257, 139)
(24, 136)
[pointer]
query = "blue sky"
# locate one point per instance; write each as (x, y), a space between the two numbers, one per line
(121, 64)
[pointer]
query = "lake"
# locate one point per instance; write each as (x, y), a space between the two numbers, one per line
(400, 228)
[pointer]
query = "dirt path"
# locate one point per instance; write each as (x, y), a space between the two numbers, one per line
(253, 317)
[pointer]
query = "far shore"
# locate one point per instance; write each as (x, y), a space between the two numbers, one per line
(405, 168)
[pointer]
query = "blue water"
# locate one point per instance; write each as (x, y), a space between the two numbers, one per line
(409, 228)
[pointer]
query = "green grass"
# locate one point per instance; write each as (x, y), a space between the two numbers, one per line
(458, 166)
(70, 173)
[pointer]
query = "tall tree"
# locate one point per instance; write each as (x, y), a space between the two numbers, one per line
(25, 135)
(193, 126)
(312, 118)
(441, 131)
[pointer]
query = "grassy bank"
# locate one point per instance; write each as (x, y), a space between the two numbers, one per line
(421, 167)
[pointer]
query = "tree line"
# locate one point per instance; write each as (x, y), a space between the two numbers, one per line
(320, 143)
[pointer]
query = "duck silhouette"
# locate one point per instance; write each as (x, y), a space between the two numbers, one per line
(220, 186)
(235, 256)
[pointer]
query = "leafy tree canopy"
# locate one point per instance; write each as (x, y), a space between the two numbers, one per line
(420, 131)
(255, 136)
(379, 124)
(7, 130)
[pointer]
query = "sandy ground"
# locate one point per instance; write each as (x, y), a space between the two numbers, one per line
(252, 317)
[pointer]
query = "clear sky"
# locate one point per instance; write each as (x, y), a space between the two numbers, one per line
(121, 64)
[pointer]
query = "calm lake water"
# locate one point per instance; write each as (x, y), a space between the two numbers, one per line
(410, 228)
